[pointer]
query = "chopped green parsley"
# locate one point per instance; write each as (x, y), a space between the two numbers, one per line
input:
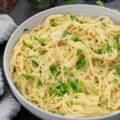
(110, 110)
(38, 82)
(53, 23)
(114, 81)
(73, 86)
(117, 68)
(79, 51)
(41, 40)
(75, 38)
(73, 17)
(29, 46)
(81, 63)
(54, 70)
(104, 47)
(64, 34)
(27, 76)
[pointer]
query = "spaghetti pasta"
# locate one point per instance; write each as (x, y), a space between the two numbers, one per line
(70, 65)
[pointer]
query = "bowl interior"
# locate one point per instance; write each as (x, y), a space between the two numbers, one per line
(87, 10)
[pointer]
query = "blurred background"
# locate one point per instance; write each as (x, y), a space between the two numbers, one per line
(20, 10)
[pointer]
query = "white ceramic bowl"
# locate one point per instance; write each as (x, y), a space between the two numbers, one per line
(89, 10)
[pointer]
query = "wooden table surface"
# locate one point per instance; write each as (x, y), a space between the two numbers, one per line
(23, 11)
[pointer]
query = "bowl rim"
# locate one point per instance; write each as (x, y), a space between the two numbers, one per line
(12, 86)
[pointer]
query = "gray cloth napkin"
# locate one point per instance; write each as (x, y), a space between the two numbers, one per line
(9, 107)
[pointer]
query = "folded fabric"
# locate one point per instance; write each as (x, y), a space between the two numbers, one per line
(9, 107)
(7, 26)
(1, 83)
